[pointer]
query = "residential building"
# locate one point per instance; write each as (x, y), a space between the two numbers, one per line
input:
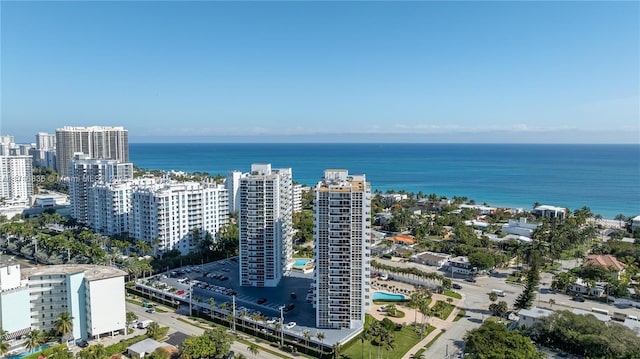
(584, 287)
(342, 212)
(33, 298)
(45, 141)
(15, 317)
(145, 347)
(232, 183)
(265, 226)
(521, 227)
(85, 172)
(176, 215)
(635, 224)
(403, 239)
(109, 206)
(111, 143)
(550, 212)
(431, 258)
(607, 261)
(529, 317)
(297, 198)
(16, 180)
(93, 295)
(460, 265)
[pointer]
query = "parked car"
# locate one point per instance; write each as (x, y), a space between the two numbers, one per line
(262, 300)
(230, 355)
(151, 310)
(470, 279)
(578, 298)
(289, 307)
(290, 325)
(456, 286)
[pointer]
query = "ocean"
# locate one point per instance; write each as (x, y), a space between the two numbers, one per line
(606, 178)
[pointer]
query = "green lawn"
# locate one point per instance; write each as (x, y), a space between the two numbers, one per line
(446, 309)
(405, 339)
(452, 294)
(460, 315)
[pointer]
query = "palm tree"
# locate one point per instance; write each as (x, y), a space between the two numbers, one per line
(552, 302)
(153, 331)
(253, 349)
(4, 345)
(212, 304)
(307, 336)
(320, 336)
(60, 352)
(278, 328)
(242, 314)
(337, 350)
(493, 296)
(620, 217)
(64, 323)
(130, 317)
(34, 340)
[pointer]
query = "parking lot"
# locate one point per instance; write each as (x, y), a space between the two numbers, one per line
(220, 281)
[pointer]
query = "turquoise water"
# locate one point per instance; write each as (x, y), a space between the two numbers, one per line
(602, 177)
(26, 354)
(387, 296)
(301, 262)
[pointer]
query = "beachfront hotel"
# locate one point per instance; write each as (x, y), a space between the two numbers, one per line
(342, 214)
(96, 142)
(33, 298)
(265, 225)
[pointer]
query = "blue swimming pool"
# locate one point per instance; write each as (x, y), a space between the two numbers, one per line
(36, 350)
(387, 296)
(301, 262)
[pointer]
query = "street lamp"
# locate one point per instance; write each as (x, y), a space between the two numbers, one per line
(190, 298)
(281, 325)
(233, 316)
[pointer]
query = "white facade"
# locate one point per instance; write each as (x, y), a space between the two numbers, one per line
(14, 302)
(232, 183)
(265, 225)
(96, 142)
(93, 295)
(635, 224)
(85, 172)
(297, 198)
(169, 212)
(520, 227)
(109, 206)
(16, 179)
(342, 212)
(550, 211)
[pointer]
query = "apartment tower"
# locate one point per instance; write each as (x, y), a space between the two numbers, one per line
(98, 142)
(265, 225)
(342, 233)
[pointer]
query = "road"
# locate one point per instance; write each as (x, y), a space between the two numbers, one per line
(170, 319)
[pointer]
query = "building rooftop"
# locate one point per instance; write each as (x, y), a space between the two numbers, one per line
(404, 238)
(535, 312)
(603, 260)
(601, 317)
(91, 272)
(148, 345)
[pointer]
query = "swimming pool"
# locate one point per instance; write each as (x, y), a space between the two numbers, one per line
(302, 262)
(26, 354)
(387, 296)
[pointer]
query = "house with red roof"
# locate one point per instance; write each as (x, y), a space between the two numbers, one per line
(607, 261)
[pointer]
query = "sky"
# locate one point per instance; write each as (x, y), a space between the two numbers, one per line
(530, 72)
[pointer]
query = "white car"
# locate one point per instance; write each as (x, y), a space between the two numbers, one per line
(290, 325)
(272, 320)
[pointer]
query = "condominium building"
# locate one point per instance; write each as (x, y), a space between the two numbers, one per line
(84, 173)
(45, 141)
(16, 180)
(342, 212)
(232, 183)
(96, 142)
(33, 298)
(44, 153)
(109, 206)
(297, 197)
(265, 225)
(166, 214)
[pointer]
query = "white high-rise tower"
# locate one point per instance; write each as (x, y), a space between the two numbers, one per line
(265, 225)
(342, 212)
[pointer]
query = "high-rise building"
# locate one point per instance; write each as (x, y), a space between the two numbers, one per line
(109, 207)
(84, 173)
(342, 249)
(232, 182)
(297, 197)
(45, 141)
(178, 215)
(97, 142)
(16, 180)
(265, 225)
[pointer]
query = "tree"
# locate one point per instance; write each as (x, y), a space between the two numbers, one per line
(493, 296)
(155, 332)
(499, 309)
(60, 352)
(320, 336)
(482, 260)
(64, 323)
(93, 352)
(525, 299)
(493, 340)
(131, 317)
(307, 336)
(160, 353)
(214, 343)
(34, 340)
(620, 217)
(253, 349)
(4, 345)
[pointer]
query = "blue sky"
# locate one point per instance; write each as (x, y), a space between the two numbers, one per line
(562, 72)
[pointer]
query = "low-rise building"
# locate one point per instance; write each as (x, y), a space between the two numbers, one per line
(460, 265)
(581, 286)
(607, 261)
(431, 258)
(521, 227)
(529, 317)
(635, 224)
(550, 212)
(145, 347)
